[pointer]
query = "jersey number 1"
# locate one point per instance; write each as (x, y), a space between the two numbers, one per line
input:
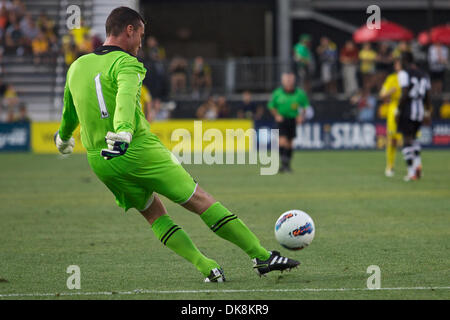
(101, 100)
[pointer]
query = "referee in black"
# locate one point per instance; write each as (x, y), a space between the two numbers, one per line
(288, 106)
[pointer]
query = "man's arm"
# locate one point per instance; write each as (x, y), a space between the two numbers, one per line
(304, 103)
(273, 110)
(69, 120)
(278, 117)
(129, 76)
(63, 137)
(386, 90)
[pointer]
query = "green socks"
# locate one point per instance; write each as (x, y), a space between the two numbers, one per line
(225, 224)
(229, 227)
(176, 239)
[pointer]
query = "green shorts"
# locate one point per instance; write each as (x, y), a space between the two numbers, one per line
(147, 167)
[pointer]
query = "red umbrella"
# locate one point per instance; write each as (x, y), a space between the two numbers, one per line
(437, 34)
(387, 31)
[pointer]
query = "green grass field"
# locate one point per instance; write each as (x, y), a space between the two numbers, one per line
(55, 213)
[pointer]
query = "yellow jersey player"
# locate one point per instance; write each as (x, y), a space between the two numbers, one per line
(146, 100)
(391, 93)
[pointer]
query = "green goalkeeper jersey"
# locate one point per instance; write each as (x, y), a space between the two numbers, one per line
(102, 93)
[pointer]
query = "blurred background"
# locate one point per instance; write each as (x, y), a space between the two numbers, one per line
(221, 59)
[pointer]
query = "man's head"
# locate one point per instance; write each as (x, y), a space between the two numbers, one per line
(246, 96)
(305, 38)
(367, 46)
(407, 59)
(324, 41)
(349, 44)
(288, 81)
(397, 65)
(125, 27)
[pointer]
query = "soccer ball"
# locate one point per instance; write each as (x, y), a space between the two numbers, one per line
(294, 230)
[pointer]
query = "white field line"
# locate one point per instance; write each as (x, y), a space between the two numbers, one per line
(145, 291)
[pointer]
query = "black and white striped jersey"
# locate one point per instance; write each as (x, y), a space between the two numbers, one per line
(418, 84)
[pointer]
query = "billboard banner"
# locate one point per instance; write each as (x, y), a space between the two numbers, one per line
(182, 135)
(42, 138)
(15, 136)
(354, 135)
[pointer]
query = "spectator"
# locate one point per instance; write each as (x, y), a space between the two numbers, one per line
(79, 34)
(327, 52)
(159, 111)
(208, 110)
(247, 108)
(96, 41)
(18, 8)
(178, 75)
(383, 63)
(445, 109)
(367, 58)
(153, 56)
(201, 77)
(6, 4)
(223, 110)
(40, 48)
(86, 45)
(154, 52)
(29, 29)
(437, 61)
(14, 39)
(349, 61)
(47, 25)
(4, 18)
(22, 115)
(146, 103)
(303, 60)
(365, 103)
(69, 49)
(401, 47)
(10, 101)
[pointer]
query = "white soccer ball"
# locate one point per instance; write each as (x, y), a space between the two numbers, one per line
(294, 230)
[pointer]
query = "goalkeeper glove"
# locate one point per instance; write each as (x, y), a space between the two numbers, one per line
(117, 144)
(64, 147)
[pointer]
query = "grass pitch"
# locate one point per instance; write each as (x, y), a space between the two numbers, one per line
(55, 213)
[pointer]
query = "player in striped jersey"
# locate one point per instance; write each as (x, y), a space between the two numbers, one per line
(414, 107)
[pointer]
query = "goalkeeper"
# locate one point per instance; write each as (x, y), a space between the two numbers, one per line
(102, 94)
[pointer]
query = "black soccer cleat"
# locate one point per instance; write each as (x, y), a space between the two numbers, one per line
(275, 262)
(216, 275)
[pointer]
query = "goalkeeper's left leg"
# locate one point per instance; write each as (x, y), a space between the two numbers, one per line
(175, 238)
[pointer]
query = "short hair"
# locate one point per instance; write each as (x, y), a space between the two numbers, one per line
(120, 18)
(407, 58)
